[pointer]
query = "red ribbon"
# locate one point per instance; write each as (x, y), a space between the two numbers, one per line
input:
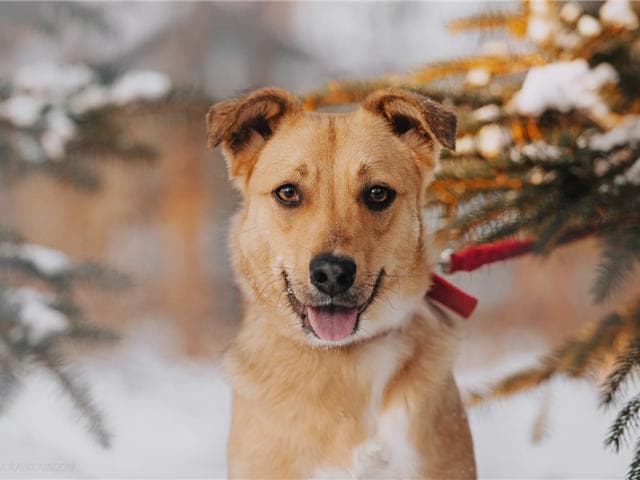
(475, 256)
(467, 260)
(451, 296)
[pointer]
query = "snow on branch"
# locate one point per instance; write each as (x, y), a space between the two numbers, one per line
(35, 319)
(628, 133)
(564, 86)
(46, 260)
(46, 99)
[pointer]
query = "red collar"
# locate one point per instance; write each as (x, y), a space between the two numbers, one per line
(451, 296)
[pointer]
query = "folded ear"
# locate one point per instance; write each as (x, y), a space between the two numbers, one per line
(243, 125)
(416, 119)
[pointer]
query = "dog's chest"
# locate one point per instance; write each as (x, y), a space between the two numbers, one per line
(387, 452)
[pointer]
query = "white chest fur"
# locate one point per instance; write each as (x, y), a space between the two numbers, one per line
(388, 452)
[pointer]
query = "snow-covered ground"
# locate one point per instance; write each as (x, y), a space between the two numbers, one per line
(170, 418)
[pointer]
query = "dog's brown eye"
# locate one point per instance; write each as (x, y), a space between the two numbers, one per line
(378, 197)
(288, 195)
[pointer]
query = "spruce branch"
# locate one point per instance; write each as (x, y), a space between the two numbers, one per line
(634, 468)
(576, 358)
(515, 22)
(9, 380)
(626, 363)
(627, 418)
(78, 393)
(616, 266)
(541, 424)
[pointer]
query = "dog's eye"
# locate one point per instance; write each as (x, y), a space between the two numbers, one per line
(288, 195)
(378, 197)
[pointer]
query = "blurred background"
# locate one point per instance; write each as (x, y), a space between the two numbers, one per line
(103, 165)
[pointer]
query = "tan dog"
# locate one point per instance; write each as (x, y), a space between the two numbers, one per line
(337, 372)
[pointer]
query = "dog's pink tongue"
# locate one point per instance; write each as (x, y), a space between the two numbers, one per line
(334, 325)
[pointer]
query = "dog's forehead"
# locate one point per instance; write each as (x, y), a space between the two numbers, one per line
(354, 144)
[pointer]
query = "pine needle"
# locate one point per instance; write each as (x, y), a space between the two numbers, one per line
(627, 418)
(79, 394)
(625, 365)
(634, 468)
(518, 382)
(616, 266)
(8, 384)
(541, 424)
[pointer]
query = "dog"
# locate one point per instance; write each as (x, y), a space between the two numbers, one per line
(338, 370)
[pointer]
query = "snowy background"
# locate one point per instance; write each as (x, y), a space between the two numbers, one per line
(170, 418)
(163, 223)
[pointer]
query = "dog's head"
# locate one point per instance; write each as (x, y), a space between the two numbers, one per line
(330, 239)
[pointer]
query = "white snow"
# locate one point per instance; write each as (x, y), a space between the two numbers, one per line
(53, 144)
(542, 23)
(619, 13)
(589, 26)
(573, 443)
(90, 98)
(632, 175)
(21, 110)
(495, 48)
(140, 85)
(539, 7)
(478, 77)
(563, 86)
(58, 121)
(626, 133)
(570, 12)
(170, 418)
(65, 90)
(491, 140)
(488, 113)
(60, 130)
(47, 260)
(465, 145)
(37, 320)
(541, 150)
(52, 81)
(568, 40)
(540, 29)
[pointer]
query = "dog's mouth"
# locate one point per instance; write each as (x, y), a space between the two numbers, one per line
(333, 321)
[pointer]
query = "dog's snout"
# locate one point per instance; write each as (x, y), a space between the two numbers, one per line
(332, 274)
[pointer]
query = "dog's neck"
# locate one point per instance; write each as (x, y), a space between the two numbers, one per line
(257, 354)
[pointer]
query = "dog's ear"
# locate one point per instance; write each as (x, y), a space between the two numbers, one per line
(243, 125)
(424, 124)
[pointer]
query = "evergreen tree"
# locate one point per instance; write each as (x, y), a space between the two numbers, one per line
(549, 151)
(59, 119)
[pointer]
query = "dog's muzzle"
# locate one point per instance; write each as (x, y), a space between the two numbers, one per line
(331, 321)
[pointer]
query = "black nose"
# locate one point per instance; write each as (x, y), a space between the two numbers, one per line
(332, 274)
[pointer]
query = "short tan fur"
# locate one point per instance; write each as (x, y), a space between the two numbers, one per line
(380, 402)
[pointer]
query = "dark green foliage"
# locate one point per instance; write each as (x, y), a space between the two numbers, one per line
(79, 394)
(552, 175)
(627, 417)
(99, 136)
(634, 468)
(620, 253)
(30, 292)
(19, 354)
(625, 365)
(561, 190)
